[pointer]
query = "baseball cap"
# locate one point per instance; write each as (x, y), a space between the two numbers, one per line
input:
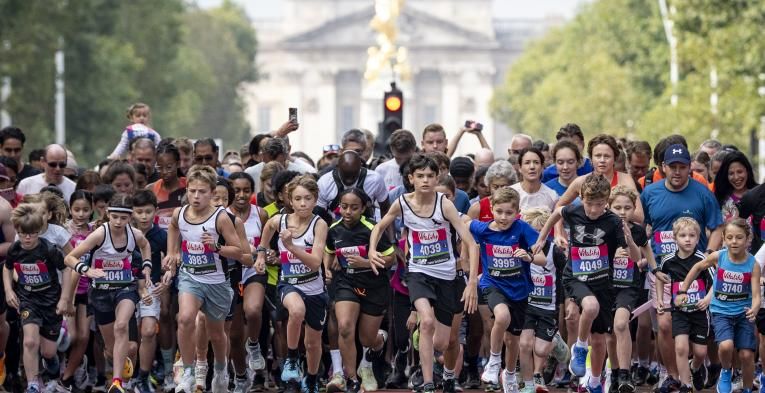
(4, 173)
(461, 167)
(677, 153)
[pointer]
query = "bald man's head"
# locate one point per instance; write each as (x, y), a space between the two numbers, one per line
(484, 157)
(55, 159)
(349, 165)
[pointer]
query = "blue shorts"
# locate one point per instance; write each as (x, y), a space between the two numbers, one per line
(736, 328)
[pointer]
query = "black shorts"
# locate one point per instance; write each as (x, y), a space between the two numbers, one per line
(495, 296)
(3, 303)
(373, 299)
(105, 301)
(315, 306)
(694, 324)
(625, 298)
(439, 292)
(543, 322)
(604, 322)
(274, 304)
(482, 300)
(459, 288)
(42, 316)
(235, 301)
(761, 321)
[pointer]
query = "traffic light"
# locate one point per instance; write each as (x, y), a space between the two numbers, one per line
(393, 117)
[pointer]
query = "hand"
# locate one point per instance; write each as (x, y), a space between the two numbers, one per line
(62, 308)
(167, 278)
(562, 243)
(159, 289)
(621, 253)
(627, 232)
(170, 262)
(537, 247)
(208, 240)
(286, 237)
(661, 276)
(376, 260)
(147, 272)
(470, 297)
(703, 304)
(411, 322)
(660, 309)
(328, 274)
(751, 313)
(145, 295)
(358, 261)
(271, 258)
(12, 299)
(260, 264)
(681, 299)
(286, 128)
(95, 273)
(522, 254)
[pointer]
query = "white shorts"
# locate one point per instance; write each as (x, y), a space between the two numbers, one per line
(149, 311)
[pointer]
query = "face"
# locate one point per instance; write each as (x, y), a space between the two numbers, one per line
(28, 240)
(355, 146)
(144, 216)
(12, 148)
(709, 150)
(531, 167)
(146, 156)
(242, 193)
(185, 162)
(498, 183)
(464, 183)
(638, 165)
(594, 208)
(446, 191)
(737, 176)
(516, 145)
(167, 167)
(735, 239)
(700, 169)
(302, 201)
(81, 211)
(504, 214)
(602, 158)
(434, 141)
(481, 187)
(205, 155)
(715, 168)
(199, 194)
(118, 221)
(677, 174)
(11, 182)
(55, 162)
(122, 183)
(423, 180)
(566, 163)
(351, 208)
(220, 197)
(401, 157)
(687, 238)
(141, 115)
(622, 206)
(267, 188)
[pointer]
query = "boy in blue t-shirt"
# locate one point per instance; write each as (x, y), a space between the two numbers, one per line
(505, 248)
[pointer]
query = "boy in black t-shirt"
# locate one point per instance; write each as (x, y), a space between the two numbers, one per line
(33, 288)
(689, 321)
(595, 235)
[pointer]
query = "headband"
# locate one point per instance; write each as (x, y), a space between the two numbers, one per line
(120, 210)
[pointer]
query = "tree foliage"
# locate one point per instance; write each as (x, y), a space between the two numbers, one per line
(185, 62)
(608, 70)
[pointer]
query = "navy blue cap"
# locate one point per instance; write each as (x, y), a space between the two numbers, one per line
(677, 153)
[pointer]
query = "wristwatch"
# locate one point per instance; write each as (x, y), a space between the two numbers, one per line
(681, 292)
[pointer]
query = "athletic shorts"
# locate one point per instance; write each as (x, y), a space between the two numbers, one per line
(694, 324)
(736, 328)
(261, 279)
(495, 296)
(315, 306)
(215, 298)
(543, 322)
(150, 310)
(105, 301)
(236, 300)
(439, 292)
(44, 317)
(274, 304)
(761, 321)
(374, 299)
(604, 322)
(625, 298)
(459, 289)
(482, 300)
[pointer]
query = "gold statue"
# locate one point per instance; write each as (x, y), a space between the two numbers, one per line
(386, 54)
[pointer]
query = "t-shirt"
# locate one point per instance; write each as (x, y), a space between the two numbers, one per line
(33, 185)
(551, 172)
(132, 132)
(677, 269)
(389, 170)
(157, 238)
(501, 270)
(545, 197)
(292, 165)
(752, 204)
(555, 185)
(343, 242)
(38, 280)
(626, 273)
(461, 201)
(373, 186)
(662, 207)
(592, 245)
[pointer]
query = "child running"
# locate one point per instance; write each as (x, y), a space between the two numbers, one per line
(735, 301)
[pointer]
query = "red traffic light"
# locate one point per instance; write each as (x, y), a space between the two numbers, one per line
(393, 103)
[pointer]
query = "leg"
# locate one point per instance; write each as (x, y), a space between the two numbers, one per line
(526, 354)
(623, 339)
(236, 339)
(500, 325)
(746, 357)
(541, 351)
(590, 310)
(188, 307)
(201, 337)
(348, 314)
(598, 354)
(666, 343)
(31, 353)
(218, 339)
(80, 336)
(148, 343)
(125, 310)
(453, 347)
(681, 356)
(253, 309)
(296, 309)
(312, 343)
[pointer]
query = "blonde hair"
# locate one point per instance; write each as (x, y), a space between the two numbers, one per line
(739, 223)
(203, 173)
(536, 217)
(184, 145)
(52, 204)
(133, 108)
(622, 190)
(505, 195)
(270, 169)
(685, 222)
(28, 218)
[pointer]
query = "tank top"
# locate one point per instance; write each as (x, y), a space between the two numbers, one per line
(732, 285)
(116, 263)
(294, 271)
(485, 214)
(199, 260)
(543, 277)
(429, 240)
(82, 285)
(252, 229)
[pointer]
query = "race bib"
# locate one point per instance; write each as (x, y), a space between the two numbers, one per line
(501, 262)
(33, 276)
(344, 252)
(294, 271)
(116, 272)
(430, 247)
(163, 221)
(732, 286)
(197, 258)
(624, 272)
(256, 241)
(589, 262)
(695, 292)
(663, 243)
(542, 294)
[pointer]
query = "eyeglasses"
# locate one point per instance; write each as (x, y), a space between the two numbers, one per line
(27, 235)
(332, 147)
(60, 165)
(204, 158)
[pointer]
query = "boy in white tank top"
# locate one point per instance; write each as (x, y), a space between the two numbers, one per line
(429, 217)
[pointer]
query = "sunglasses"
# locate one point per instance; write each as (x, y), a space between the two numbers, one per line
(204, 158)
(60, 165)
(332, 147)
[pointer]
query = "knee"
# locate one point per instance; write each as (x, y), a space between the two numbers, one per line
(30, 344)
(216, 334)
(296, 313)
(502, 319)
(345, 329)
(427, 324)
(746, 356)
(725, 346)
(186, 320)
(148, 331)
(526, 344)
(120, 328)
(621, 326)
(590, 306)
(441, 343)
